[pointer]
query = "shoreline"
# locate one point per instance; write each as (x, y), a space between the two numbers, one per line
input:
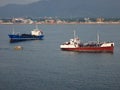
(89, 23)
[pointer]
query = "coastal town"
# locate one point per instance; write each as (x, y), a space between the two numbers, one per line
(59, 20)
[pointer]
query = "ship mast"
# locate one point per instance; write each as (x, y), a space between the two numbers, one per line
(98, 38)
(13, 31)
(36, 27)
(74, 33)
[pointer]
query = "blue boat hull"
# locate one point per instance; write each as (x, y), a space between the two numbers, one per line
(24, 37)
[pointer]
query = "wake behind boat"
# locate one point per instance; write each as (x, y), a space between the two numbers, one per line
(35, 34)
(75, 45)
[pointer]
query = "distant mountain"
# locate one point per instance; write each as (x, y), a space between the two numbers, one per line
(64, 8)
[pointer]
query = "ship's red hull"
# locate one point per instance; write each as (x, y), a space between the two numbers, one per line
(90, 49)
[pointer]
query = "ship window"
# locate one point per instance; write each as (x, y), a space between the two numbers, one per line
(111, 44)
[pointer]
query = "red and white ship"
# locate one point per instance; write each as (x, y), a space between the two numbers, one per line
(75, 45)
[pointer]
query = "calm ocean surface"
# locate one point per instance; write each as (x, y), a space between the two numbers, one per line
(41, 65)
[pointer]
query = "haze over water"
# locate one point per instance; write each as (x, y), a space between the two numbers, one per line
(41, 65)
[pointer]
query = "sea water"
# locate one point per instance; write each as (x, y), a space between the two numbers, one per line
(41, 65)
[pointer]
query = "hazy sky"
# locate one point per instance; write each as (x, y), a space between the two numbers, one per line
(5, 2)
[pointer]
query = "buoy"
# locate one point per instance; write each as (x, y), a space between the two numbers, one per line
(18, 47)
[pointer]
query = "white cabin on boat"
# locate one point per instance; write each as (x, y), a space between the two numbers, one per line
(36, 32)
